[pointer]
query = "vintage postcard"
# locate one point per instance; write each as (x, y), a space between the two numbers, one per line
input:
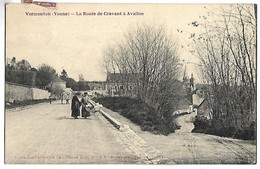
(130, 83)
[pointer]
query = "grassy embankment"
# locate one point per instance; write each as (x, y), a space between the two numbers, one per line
(139, 113)
(25, 103)
(215, 127)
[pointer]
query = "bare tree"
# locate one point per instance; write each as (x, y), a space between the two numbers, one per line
(227, 50)
(148, 55)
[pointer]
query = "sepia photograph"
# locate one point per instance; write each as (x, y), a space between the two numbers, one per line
(159, 84)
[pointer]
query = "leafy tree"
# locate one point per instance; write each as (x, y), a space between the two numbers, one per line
(44, 75)
(23, 65)
(56, 90)
(20, 73)
(70, 83)
(83, 86)
(20, 76)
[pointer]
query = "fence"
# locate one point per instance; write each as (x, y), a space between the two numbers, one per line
(20, 92)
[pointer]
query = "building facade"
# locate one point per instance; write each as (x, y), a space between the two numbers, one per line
(96, 85)
(120, 84)
(203, 110)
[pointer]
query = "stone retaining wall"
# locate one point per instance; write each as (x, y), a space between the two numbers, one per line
(19, 92)
(40, 94)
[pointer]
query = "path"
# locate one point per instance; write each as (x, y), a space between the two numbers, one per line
(184, 147)
(47, 134)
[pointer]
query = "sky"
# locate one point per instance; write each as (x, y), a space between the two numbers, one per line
(77, 43)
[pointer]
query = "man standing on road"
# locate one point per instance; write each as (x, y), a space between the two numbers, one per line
(61, 98)
(50, 98)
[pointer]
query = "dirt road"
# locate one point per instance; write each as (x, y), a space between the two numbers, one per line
(186, 123)
(47, 134)
(184, 147)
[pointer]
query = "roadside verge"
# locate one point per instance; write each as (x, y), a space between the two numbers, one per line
(135, 143)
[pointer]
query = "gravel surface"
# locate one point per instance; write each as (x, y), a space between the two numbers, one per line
(184, 147)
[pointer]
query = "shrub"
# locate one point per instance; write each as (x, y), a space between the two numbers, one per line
(215, 127)
(201, 123)
(20, 77)
(139, 113)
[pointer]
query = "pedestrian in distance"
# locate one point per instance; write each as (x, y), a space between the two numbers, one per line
(66, 97)
(67, 100)
(50, 98)
(61, 98)
(75, 107)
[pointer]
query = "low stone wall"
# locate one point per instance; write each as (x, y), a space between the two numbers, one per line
(39, 94)
(17, 92)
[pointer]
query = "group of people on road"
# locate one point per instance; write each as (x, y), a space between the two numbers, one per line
(64, 97)
(79, 104)
(83, 105)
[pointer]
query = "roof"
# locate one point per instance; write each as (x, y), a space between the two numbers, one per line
(197, 101)
(95, 82)
(184, 103)
(120, 77)
(68, 90)
(201, 103)
(57, 79)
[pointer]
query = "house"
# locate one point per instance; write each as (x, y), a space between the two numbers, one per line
(68, 91)
(183, 106)
(120, 84)
(58, 86)
(204, 110)
(96, 88)
(96, 85)
(58, 83)
(196, 100)
(201, 106)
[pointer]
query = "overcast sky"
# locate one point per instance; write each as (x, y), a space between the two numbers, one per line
(76, 43)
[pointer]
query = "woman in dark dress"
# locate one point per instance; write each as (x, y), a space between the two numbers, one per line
(75, 107)
(84, 112)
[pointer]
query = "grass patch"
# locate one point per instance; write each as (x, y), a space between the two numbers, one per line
(139, 113)
(25, 103)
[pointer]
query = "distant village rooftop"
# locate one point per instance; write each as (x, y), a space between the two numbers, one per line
(120, 77)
